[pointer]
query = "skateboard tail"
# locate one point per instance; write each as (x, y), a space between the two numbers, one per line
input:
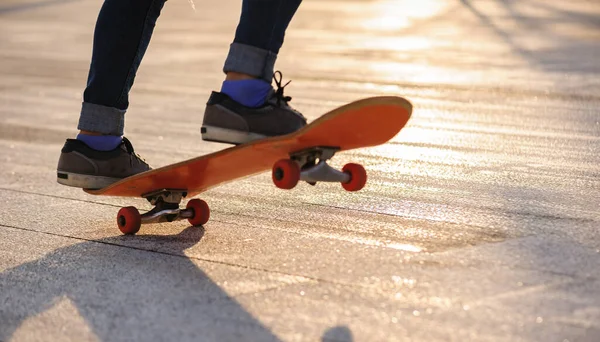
(361, 127)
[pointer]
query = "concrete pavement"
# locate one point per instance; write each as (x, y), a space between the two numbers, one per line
(479, 221)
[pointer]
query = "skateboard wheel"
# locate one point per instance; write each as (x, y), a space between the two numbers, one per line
(129, 220)
(358, 177)
(286, 174)
(201, 212)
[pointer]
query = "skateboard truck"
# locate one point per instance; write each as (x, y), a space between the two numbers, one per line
(166, 206)
(322, 172)
(310, 165)
(166, 209)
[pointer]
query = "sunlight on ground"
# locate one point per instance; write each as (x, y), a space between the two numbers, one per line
(372, 242)
(56, 323)
(403, 50)
(393, 15)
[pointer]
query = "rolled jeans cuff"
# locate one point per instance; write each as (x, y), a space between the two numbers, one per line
(250, 60)
(101, 119)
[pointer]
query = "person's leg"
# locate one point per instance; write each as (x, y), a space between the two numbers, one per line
(247, 108)
(100, 155)
(121, 37)
(258, 38)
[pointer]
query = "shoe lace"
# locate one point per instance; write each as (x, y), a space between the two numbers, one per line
(132, 155)
(279, 92)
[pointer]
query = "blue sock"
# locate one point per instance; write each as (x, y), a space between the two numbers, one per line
(100, 142)
(250, 93)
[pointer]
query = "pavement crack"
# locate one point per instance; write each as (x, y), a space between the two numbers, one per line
(218, 262)
(58, 197)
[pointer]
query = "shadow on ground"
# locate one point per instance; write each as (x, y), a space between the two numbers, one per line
(125, 294)
(557, 27)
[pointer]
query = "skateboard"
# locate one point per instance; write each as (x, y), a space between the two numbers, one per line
(298, 156)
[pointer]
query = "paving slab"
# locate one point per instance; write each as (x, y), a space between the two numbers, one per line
(479, 220)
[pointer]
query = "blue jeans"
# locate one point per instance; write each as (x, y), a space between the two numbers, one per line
(123, 32)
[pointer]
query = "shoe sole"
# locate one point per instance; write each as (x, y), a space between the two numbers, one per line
(84, 181)
(228, 136)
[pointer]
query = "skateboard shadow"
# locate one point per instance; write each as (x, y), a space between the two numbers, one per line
(127, 293)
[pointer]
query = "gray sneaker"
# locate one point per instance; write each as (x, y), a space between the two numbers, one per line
(227, 121)
(83, 167)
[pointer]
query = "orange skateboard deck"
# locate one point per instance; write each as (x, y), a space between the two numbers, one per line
(297, 156)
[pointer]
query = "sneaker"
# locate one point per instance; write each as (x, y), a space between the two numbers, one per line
(227, 121)
(83, 167)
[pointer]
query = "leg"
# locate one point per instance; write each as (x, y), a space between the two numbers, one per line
(247, 108)
(259, 36)
(100, 155)
(122, 34)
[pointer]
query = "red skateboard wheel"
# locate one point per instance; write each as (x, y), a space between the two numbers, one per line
(358, 177)
(201, 212)
(129, 220)
(286, 174)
